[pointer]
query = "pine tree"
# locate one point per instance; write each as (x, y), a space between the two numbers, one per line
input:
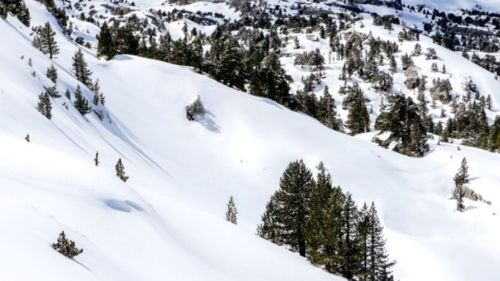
(232, 212)
(81, 103)
(316, 228)
(272, 228)
(52, 73)
(106, 46)
(494, 137)
(44, 105)
(358, 119)
(45, 41)
(461, 178)
(80, 67)
(98, 98)
(379, 263)
(27, 138)
(286, 216)
(229, 68)
(271, 80)
(327, 111)
(120, 170)
(332, 242)
(363, 230)
(66, 247)
(349, 248)
(402, 119)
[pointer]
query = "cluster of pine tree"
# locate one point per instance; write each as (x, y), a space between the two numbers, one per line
(249, 59)
(17, 8)
(403, 120)
(322, 223)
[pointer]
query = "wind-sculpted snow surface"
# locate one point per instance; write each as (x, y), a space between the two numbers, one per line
(167, 220)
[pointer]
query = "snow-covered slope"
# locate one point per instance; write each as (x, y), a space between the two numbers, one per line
(454, 5)
(167, 221)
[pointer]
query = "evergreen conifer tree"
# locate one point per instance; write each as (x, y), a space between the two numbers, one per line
(232, 212)
(327, 111)
(52, 73)
(45, 41)
(66, 247)
(287, 213)
(120, 170)
(349, 244)
(316, 228)
(81, 103)
(44, 105)
(80, 67)
(229, 67)
(402, 119)
(358, 119)
(461, 178)
(105, 45)
(271, 80)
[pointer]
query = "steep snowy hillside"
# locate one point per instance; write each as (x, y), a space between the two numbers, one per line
(167, 220)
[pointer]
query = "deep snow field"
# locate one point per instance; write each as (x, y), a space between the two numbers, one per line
(167, 221)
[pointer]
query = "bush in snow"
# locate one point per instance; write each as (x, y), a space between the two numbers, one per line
(195, 109)
(66, 247)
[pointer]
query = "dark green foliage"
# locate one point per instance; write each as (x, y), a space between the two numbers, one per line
(80, 68)
(106, 45)
(16, 7)
(44, 105)
(52, 73)
(120, 170)
(407, 130)
(66, 247)
(327, 111)
(229, 68)
(494, 137)
(339, 237)
(125, 41)
(317, 230)
(358, 119)
(45, 41)
(271, 80)
(81, 103)
(288, 213)
(374, 259)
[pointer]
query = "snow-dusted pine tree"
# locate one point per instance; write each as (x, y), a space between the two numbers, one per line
(232, 212)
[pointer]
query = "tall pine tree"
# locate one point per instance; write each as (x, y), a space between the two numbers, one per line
(290, 208)
(80, 68)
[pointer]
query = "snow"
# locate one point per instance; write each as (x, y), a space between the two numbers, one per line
(454, 5)
(167, 221)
